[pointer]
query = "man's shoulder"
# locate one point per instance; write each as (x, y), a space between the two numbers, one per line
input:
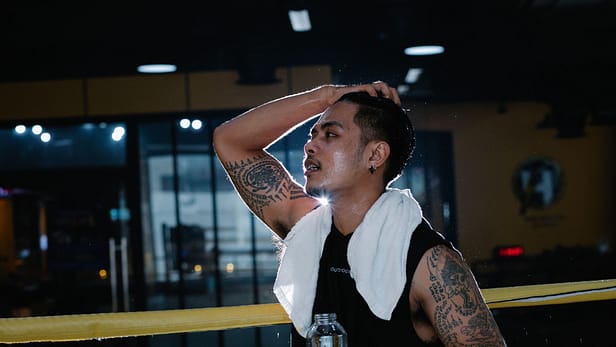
(426, 236)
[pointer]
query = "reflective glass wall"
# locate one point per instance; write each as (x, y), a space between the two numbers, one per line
(63, 216)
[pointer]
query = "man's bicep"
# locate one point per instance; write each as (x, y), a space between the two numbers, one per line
(454, 303)
(267, 189)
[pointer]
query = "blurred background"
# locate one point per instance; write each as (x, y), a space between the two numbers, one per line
(111, 198)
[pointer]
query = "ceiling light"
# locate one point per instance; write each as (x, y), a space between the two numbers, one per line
(20, 129)
(184, 123)
(424, 50)
(300, 20)
(413, 75)
(45, 137)
(196, 124)
(118, 133)
(37, 129)
(403, 89)
(156, 68)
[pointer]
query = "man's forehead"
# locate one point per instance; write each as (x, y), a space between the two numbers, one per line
(340, 114)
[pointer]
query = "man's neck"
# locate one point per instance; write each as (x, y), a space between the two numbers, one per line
(349, 210)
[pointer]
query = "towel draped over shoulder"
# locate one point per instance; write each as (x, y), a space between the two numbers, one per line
(377, 256)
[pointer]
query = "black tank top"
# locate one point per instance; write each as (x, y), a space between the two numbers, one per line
(336, 292)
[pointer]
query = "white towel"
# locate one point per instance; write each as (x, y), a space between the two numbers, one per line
(377, 256)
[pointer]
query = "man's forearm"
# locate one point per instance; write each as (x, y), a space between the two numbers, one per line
(256, 129)
(259, 127)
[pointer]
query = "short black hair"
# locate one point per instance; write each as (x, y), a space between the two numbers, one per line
(380, 118)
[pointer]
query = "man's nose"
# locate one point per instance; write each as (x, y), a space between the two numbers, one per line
(309, 147)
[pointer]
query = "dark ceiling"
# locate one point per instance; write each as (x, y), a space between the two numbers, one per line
(495, 50)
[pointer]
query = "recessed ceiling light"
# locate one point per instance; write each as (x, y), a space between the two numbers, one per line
(413, 75)
(45, 137)
(424, 50)
(20, 129)
(300, 20)
(37, 129)
(196, 124)
(156, 68)
(403, 89)
(184, 123)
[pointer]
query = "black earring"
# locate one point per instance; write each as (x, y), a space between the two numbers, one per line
(372, 169)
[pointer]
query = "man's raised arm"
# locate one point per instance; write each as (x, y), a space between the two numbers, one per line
(262, 182)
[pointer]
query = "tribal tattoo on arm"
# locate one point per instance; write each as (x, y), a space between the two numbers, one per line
(461, 316)
(261, 181)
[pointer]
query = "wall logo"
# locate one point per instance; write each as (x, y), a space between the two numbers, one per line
(537, 183)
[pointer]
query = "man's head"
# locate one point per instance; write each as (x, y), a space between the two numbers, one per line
(380, 119)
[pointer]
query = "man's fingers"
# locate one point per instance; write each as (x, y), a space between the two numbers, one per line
(377, 88)
(386, 91)
(382, 88)
(394, 96)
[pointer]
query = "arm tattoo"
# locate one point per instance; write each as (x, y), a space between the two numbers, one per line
(261, 181)
(461, 317)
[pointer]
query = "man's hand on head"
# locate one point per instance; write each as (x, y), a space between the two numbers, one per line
(384, 90)
(376, 89)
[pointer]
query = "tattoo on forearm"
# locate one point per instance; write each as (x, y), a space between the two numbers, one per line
(261, 181)
(460, 315)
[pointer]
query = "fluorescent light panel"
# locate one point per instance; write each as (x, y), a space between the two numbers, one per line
(300, 20)
(156, 68)
(424, 50)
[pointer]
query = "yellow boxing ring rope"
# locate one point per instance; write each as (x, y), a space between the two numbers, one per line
(129, 324)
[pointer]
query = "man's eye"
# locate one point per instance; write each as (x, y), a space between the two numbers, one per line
(329, 134)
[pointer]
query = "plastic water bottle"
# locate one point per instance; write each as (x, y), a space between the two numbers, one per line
(326, 331)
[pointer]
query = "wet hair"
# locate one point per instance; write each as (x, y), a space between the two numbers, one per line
(381, 119)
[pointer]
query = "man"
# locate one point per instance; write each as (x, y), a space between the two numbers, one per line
(367, 255)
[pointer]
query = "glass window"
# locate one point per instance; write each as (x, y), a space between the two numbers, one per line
(64, 189)
(42, 146)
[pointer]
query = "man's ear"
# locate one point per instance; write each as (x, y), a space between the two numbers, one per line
(379, 153)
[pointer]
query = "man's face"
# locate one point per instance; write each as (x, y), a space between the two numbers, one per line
(333, 154)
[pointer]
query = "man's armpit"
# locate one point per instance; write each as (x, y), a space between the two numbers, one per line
(261, 181)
